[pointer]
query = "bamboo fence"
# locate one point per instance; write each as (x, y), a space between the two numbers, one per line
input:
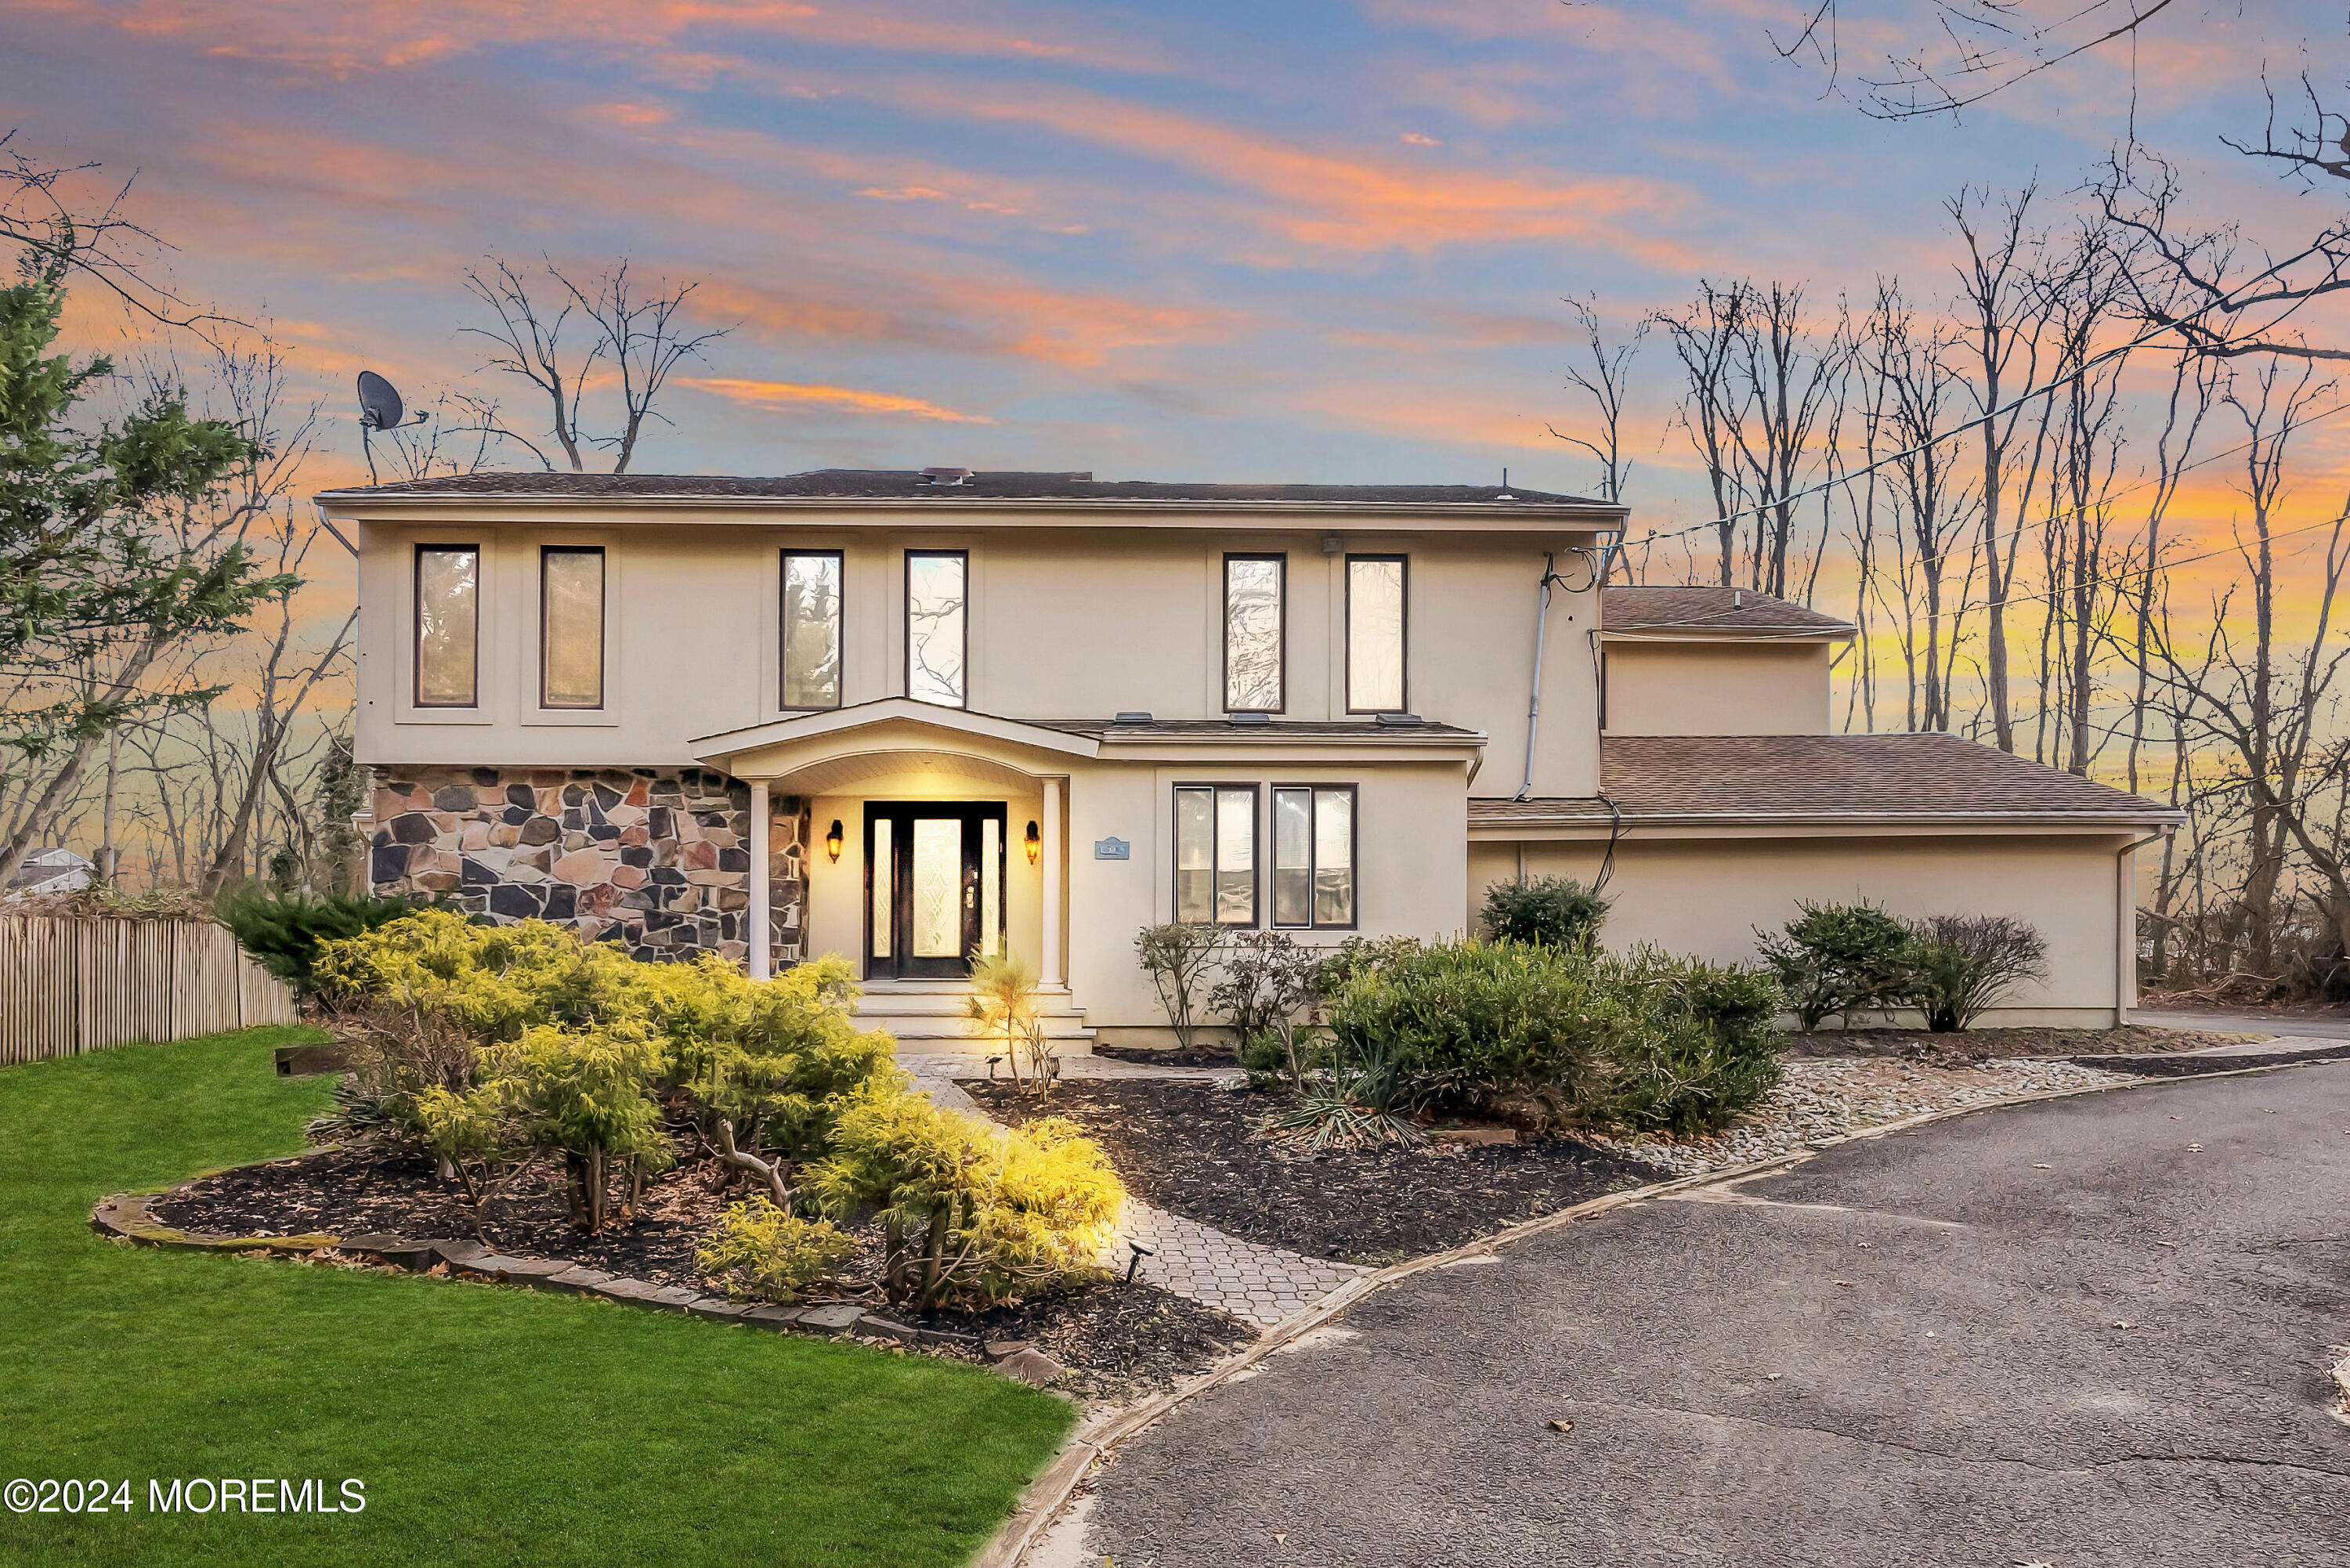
(71, 984)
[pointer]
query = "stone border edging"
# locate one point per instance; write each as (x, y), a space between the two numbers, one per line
(1049, 1494)
(123, 1218)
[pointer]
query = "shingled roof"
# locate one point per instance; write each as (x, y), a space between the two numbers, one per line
(853, 484)
(1824, 779)
(1711, 612)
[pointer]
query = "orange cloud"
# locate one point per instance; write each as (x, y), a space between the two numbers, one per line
(963, 315)
(1332, 201)
(851, 400)
(360, 35)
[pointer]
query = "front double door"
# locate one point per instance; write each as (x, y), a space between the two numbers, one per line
(934, 887)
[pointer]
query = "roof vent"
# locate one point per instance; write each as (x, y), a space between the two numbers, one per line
(1401, 721)
(946, 476)
(1738, 598)
(1132, 718)
(1250, 718)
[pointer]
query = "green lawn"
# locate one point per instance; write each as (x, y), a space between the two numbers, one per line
(489, 1425)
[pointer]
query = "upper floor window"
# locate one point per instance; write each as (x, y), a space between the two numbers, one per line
(811, 635)
(1313, 856)
(1254, 617)
(1215, 855)
(571, 627)
(448, 625)
(1375, 634)
(937, 625)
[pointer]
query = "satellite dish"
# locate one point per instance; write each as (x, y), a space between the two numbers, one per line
(379, 410)
(380, 405)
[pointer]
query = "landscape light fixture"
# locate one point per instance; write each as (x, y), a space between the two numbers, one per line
(831, 841)
(1036, 846)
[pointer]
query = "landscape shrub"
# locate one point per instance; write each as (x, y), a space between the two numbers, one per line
(1837, 960)
(1005, 1007)
(1705, 1047)
(586, 1094)
(1961, 966)
(1177, 957)
(970, 1214)
(1351, 1103)
(569, 1046)
(1269, 977)
(1474, 1025)
(282, 931)
(761, 1250)
(1553, 911)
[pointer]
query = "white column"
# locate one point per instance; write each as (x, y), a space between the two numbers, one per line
(1051, 962)
(755, 917)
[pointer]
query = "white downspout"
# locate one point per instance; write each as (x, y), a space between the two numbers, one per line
(2126, 923)
(1533, 703)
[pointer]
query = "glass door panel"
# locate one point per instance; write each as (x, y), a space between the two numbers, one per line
(937, 887)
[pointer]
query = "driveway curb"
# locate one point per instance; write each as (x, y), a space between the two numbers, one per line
(1049, 1494)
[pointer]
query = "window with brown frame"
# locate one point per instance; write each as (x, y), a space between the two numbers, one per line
(812, 596)
(571, 627)
(1376, 624)
(938, 626)
(1314, 857)
(1215, 855)
(448, 625)
(1257, 628)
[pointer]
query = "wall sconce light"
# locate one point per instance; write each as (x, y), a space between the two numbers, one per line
(832, 840)
(1035, 845)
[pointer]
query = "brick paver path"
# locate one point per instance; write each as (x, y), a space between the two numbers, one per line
(1262, 1285)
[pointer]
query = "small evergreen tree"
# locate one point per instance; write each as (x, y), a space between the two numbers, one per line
(1554, 911)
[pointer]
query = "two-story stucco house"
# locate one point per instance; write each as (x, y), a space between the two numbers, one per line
(908, 717)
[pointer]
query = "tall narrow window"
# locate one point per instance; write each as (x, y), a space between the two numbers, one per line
(448, 621)
(937, 625)
(570, 627)
(1215, 855)
(1375, 634)
(1254, 626)
(811, 635)
(1313, 856)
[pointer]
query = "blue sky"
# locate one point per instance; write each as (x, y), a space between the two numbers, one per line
(1305, 241)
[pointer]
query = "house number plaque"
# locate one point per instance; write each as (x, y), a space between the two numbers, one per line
(1112, 849)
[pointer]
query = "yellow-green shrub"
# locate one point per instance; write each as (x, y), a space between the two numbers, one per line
(588, 1093)
(968, 1212)
(761, 1250)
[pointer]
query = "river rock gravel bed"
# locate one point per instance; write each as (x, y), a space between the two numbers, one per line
(1823, 1101)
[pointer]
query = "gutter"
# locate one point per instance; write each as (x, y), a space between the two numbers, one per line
(2115, 821)
(1601, 518)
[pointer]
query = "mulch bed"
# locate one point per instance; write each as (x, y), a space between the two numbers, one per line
(1987, 1044)
(1172, 1056)
(1119, 1339)
(1194, 1149)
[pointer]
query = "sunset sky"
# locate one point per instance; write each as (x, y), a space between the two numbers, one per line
(1314, 241)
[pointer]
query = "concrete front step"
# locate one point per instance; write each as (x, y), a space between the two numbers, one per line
(931, 1016)
(941, 1035)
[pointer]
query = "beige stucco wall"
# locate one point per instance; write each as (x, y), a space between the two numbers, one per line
(1067, 623)
(1706, 897)
(1717, 687)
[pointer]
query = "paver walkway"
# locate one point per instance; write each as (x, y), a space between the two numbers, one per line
(1199, 1263)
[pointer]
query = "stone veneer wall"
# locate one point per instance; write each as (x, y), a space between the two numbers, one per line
(656, 860)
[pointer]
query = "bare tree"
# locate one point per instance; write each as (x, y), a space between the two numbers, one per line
(1974, 49)
(638, 336)
(1605, 384)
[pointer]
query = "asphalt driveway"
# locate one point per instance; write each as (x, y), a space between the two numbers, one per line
(2085, 1332)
